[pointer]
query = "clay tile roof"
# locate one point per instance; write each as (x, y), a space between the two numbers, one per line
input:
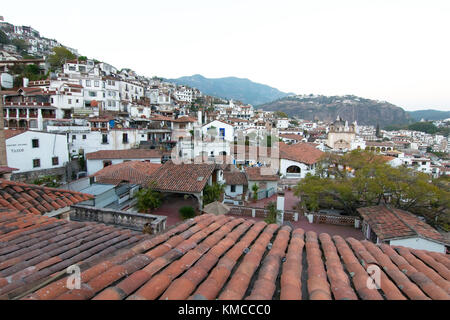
(124, 154)
(10, 133)
(390, 223)
(190, 178)
(222, 257)
(135, 172)
(301, 152)
(235, 178)
(26, 197)
(254, 174)
(35, 248)
(185, 119)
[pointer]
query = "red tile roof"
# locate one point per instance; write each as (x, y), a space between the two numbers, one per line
(28, 198)
(185, 119)
(300, 152)
(254, 174)
(135, 172)
(189, 178)
(221, 257)
(10, 133)
(124, 154)
(34, 249)
(390, 223)
(235, 178)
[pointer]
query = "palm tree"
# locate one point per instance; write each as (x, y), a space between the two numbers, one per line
(148, 199)
(213, 193)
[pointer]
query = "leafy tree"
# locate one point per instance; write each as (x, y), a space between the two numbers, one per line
(280, 114)
(360, 179)
(273, 213)
(255, 189)
(59, 57)
(148, 199)
(4, 38)
(82, 58)
(22, 45)
(187, 213)
(213, 193)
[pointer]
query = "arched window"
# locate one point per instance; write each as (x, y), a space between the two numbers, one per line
(293, 169)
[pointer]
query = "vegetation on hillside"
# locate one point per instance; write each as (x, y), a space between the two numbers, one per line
(59, 57)
(426, 127)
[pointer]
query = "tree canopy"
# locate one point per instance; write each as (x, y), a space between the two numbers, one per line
(4, 38)
(360, 178)
(213, 193)
(59, 57)
(148, 199)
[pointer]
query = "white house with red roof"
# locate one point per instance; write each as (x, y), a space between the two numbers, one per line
(35, 151)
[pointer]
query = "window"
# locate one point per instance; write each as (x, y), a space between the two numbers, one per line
(55, 161)
(104, 138)
(74, 137)
(72, 68)
(125, 138)
(35, 143)
(233, 188)
(70, 101)
(96, 84)
(88, 83)
(107, 164)
(36, 163)
(92, 93)
(84, 137)
(77, 101)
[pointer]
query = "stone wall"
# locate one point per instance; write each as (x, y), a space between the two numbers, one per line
(65, 173)
(337, 220)
(124, 219)
(260, 213)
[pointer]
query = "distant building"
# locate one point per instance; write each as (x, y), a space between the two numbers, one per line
(341, 135)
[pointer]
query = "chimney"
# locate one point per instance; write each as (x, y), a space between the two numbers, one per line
(3, 159)
(200, 120)
(280, 208)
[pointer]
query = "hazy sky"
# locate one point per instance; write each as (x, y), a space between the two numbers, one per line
(391, 50)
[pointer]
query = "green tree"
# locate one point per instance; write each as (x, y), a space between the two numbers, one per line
(280, 114)
(213, 193)
(59, 57)
(360, 179)
(148, 199)
(22, 45)
(82, 58)
(255, 189)
(48, 181)
(4, 38)
(273, 213)
(187, 213)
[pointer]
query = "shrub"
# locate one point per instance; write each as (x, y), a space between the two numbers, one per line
(187, 213)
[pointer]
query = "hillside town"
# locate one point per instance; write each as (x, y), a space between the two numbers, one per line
(174, 179)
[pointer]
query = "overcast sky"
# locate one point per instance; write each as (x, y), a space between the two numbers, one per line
(392, 50)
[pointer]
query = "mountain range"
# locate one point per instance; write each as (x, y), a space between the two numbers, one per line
(431, 115)
(243, 90)
(350, 108)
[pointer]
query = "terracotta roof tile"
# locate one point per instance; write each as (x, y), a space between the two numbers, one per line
(129, 154)
(213, 257)
(135, 172)
(300, 152)
(35, 199)
(390, 223)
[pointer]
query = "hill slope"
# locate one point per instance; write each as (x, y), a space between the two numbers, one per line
(232, 88)
(351, 108)
(431, 115)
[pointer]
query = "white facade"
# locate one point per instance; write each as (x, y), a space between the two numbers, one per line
(222, 129)
(419, 244)
(34, 151)
(301, 171)
(283, 123)
(105, 140)
(238, 191)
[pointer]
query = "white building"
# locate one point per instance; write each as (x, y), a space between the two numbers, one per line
(219, 129)
(35, 151)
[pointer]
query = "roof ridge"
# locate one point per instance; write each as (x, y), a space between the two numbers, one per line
(404, 222)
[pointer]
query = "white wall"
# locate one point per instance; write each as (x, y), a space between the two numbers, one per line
(239, 191)
(420, 244)
(304, 169)
(20, 151)
(229, 129)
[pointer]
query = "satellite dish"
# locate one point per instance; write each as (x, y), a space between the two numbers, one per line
(6, 80)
